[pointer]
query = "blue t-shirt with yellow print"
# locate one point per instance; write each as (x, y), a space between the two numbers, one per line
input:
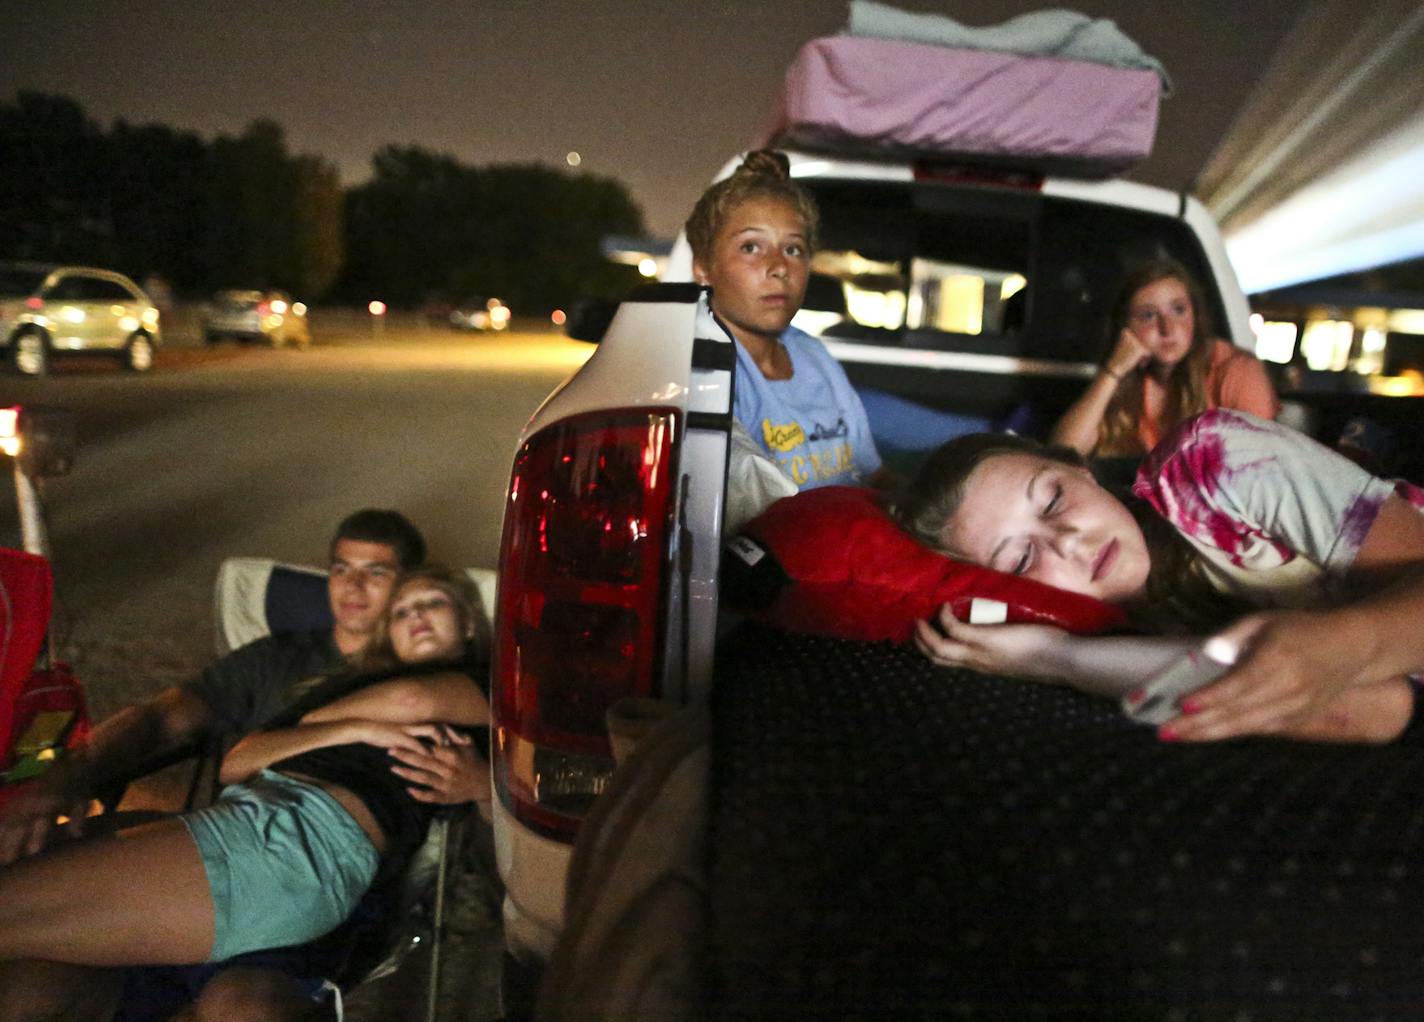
(813, 425)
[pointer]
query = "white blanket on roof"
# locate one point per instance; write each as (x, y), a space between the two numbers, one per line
(1057, 32)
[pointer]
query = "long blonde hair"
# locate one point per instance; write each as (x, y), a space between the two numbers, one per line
(469, 610)
(1186, 384)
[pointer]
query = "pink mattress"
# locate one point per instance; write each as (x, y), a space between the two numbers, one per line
(867, 96)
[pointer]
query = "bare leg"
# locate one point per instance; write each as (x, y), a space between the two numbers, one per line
(255, 995)
(138, 898)
(31, 991)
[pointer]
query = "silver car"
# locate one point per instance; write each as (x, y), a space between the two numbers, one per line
(48, 310)
(270, 316)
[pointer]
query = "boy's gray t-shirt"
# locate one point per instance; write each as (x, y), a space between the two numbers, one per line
(250, 685)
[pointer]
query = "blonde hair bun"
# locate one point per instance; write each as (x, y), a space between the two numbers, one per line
(763, 173)
(765, 163)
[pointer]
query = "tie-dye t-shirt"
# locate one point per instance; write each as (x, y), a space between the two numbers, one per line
(1277, 517)
(813, 425)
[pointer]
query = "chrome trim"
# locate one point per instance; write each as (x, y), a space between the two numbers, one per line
(964, 361)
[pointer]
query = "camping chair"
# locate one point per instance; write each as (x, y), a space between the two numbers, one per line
(42, 708)
(254, 597)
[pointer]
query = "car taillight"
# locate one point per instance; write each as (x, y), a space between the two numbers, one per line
(970, 174)
(587, 528)
(263, 308)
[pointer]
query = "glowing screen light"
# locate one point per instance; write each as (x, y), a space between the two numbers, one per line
(1368, 211)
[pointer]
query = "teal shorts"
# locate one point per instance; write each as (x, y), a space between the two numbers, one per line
(286, 863)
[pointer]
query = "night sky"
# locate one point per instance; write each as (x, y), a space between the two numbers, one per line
(658, 95)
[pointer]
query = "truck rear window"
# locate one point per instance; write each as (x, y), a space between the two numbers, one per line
(983, 270)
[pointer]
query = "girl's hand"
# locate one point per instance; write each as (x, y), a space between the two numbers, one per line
(395, 737)
(1021, 651)
(1296, 674)
(450, 773)
(1127, 354)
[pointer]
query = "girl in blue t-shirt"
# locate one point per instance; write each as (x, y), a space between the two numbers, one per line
(752, 235)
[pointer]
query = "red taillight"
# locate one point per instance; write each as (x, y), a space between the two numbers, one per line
(34, 303)
(580, 624)
(968, 174)
(263, 308)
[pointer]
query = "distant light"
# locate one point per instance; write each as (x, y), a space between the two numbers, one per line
(648, 266)
(299, 309)
(377, 308)
(10, 431)
(558, 317)
(493, 304)
(279, 306)
(71, 315)
(1257, 321)
(573, 159)
(1276, 342)
(499, 316)
(1326, 344)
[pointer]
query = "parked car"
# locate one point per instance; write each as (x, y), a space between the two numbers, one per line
(48, 311)
(480, 314)
(268, 316)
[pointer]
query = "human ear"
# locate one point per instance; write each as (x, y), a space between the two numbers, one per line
(699, 272)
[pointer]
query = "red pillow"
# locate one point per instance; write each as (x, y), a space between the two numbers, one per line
(830, 561)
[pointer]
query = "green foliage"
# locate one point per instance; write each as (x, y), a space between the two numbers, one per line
(427, 228)
(149, 199)
(245, 212)
(280, 216)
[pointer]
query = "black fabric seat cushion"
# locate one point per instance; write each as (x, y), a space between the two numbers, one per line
(893, 840)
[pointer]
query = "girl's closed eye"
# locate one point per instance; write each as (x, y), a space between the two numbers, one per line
(1055, 500)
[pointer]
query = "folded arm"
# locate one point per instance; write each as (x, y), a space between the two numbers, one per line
(449, 696)
(1082, 422)
(399, 714)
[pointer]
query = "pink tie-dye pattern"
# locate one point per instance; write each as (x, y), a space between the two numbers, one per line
(1183, 475)
(1410, 492)
(1357, 521)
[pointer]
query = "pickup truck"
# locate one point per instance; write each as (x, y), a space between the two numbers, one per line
(951, 820)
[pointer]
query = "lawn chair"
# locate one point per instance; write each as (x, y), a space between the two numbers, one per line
(254, 597)
(42, 709)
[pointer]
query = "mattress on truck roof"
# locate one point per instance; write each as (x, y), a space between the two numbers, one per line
(875, 97)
